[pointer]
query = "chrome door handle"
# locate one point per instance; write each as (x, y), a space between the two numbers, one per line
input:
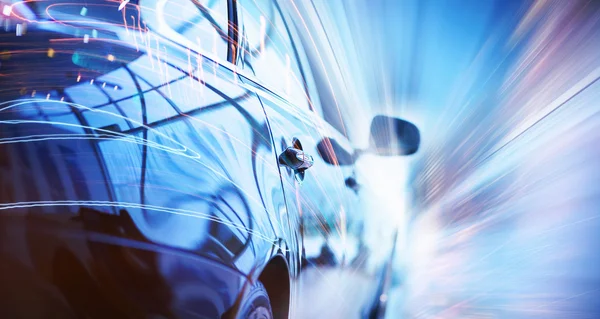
(296, 159)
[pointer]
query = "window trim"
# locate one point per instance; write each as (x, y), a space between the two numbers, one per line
(233, 32)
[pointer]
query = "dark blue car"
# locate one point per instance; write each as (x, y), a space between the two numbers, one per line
(171, 158)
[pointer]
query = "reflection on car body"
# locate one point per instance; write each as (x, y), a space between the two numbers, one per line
(139, 172)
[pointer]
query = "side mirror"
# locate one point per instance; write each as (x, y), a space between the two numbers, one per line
(390, 136)
(393, 136)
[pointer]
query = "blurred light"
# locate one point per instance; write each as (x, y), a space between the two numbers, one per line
(123, 4)
(383, 298)
(263, 31)
(7, 10)
(5, 55)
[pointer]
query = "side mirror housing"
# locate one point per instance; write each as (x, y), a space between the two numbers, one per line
(390, 136)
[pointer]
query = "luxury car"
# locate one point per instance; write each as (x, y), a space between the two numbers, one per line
(173, 158)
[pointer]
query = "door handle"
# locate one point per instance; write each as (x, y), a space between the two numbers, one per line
(296, 159)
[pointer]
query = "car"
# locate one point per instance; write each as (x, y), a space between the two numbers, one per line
(172, 158)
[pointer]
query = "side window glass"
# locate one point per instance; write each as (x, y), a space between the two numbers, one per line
(200, 24)
(304, 64)
(269, 50)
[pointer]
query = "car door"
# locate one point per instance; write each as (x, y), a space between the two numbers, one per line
(186, 155)
(282, 77)
(323, 205)
(207, 156)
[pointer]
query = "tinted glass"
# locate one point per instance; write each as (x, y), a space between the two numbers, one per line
(270, 52)
(197, 24)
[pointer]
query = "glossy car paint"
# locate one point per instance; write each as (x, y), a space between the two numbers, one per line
(142, 180)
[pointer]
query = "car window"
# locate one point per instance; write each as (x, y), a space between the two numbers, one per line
(198, 24)
(269, 52)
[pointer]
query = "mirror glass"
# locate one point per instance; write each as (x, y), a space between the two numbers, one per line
(393, 136)
(390, 136)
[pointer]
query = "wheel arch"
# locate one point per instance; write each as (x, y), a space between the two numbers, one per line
(276, 279)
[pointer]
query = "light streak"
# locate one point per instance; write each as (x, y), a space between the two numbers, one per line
(235, 75)
(125, 20)
(134, 34)
(288, 74)
(189, 66)
(123, 4)
(183, 151)
(322, 62)
(149, 49)
(200, 70)
(167, 78)
(263, 34)
(168, 210)
(215, 54)
(158, 56)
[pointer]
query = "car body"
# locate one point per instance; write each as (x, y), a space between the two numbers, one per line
(139, 161)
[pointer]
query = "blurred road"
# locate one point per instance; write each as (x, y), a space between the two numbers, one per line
(321, 293)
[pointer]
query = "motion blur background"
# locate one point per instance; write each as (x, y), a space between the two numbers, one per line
(498, 214)
(499, 211)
